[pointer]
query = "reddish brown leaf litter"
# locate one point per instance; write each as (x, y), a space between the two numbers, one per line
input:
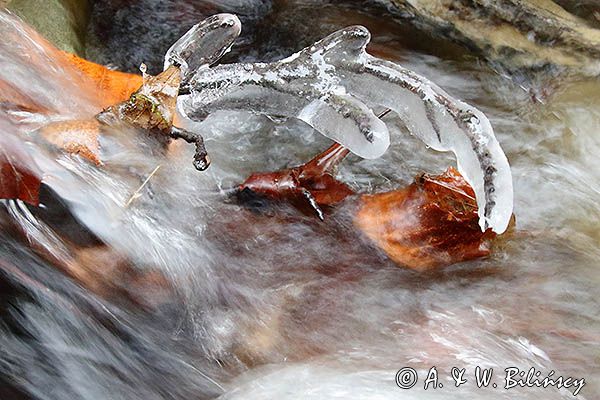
(431, 223)
(309, 185)
(19, 176)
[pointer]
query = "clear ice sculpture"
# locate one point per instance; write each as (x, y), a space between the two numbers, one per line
(333, 86)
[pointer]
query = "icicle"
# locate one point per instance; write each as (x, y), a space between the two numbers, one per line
(333, 85)
(204, 44)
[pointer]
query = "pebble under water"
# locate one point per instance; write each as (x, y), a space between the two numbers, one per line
(269, 303)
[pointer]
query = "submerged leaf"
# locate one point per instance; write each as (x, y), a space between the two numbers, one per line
(19, 176)
(112, 86)
(75, 137)
(431, 223)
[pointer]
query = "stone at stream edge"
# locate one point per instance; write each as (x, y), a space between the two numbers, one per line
(517, 34)
(62, 22)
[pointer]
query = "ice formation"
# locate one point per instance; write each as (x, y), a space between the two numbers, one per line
(204, 44)
(333, 86)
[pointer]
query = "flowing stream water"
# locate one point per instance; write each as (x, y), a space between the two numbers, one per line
(272, 304)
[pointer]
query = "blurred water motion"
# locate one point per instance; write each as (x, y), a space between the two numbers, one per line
(274, 304)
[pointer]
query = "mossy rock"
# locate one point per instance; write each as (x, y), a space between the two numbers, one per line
(63, 22)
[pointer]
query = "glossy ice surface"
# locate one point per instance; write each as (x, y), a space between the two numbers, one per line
(334, 86)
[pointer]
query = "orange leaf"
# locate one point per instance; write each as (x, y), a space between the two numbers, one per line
(433, 222)
(75, 137)
(113, 86)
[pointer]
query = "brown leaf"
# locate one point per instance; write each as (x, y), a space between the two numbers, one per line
(75, 137)
(431, 223)
(152, 107)
(19, 176)
(308, 186)
(149, 107)
(163, 89)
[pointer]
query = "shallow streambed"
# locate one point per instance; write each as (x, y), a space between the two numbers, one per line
(277, 305)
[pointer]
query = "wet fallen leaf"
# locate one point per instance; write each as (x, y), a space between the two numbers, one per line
(19, 176)
(431, 223)
(12, 99)
(112, 86)
(148, 105)
(152, 106)
(75, 137)
(310, 185)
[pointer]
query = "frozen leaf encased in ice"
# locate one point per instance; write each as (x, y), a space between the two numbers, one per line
(152, 106)
(333, 86)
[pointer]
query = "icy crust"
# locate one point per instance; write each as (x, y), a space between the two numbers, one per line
(204, 44)
(444, 124)
(304, 86)
(333, 86)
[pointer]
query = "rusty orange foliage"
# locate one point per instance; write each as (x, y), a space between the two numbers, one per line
(75, 137)
(19, 176)
(113, 86)
(431, 223)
